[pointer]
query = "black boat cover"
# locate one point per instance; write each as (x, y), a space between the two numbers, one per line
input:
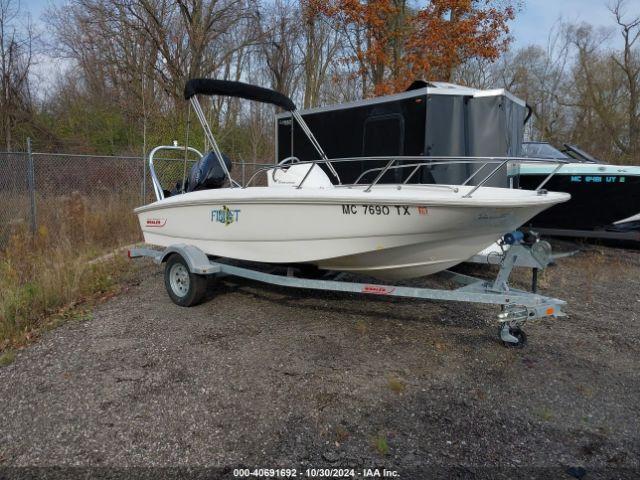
(210, 86)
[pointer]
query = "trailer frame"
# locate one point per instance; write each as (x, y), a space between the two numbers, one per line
(517, 306)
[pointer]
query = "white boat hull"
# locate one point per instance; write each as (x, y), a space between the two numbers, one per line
(388, 233)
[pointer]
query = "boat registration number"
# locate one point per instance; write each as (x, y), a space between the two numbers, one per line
(399, 210)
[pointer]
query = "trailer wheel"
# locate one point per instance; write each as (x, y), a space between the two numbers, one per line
(519, 334)
(184, 287)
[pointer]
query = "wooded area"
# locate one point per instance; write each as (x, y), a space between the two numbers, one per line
(126, 63)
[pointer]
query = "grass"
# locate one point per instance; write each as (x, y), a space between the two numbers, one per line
(381, 445)
(361, 327)
(396, 385)
(7, 358)
(545, 414)
(46, 276)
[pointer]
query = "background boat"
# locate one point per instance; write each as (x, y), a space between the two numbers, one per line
(605, 199)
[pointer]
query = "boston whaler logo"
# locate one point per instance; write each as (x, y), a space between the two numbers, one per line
(225, 215)
(156, 222)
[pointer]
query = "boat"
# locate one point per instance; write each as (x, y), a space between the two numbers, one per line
(605, 198)
(304, 214)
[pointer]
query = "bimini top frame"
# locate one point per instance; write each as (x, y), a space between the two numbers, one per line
(208, 86)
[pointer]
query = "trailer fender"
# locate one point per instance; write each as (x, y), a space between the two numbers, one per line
(195, 258)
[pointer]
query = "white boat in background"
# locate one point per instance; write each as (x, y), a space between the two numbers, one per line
(389, 231)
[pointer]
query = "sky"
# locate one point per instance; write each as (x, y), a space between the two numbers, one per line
(533, 24)
(37, 7)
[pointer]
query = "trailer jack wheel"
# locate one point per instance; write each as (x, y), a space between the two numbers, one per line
(184, 287)
(512, 337)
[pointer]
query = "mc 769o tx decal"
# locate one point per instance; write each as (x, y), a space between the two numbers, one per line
(401, 210)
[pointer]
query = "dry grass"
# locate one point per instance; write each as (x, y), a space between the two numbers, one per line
(7, 358)
(361, 327)
(42, 276)
(545, 414)
(342, 434)
(396, 385)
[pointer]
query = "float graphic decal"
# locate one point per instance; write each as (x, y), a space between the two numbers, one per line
(225, 215)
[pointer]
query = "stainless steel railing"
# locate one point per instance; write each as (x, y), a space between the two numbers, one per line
(415, 163)
(157, 186)
(421, 162)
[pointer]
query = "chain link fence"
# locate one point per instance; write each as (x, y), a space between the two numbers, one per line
(14, 192)
(45, 190)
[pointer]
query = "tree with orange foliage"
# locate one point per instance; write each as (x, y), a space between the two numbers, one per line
(394, 43)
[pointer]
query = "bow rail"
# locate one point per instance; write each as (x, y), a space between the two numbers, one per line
(414, 163)
(417, 162)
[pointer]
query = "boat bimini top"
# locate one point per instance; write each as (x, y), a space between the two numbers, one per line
(208, 86)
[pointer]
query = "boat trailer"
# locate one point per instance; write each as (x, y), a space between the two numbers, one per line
(187, 268)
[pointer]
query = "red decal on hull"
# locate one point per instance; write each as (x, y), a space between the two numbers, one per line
(156, 222)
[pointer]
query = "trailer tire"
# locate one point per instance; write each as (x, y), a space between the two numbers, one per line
(520, 335)
(184, 287)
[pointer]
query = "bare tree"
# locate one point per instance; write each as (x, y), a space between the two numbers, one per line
(16, 59)
(602, 97)
(629, 63)
(319, 47)
(193, 40)
(280, 30)
(170, 40)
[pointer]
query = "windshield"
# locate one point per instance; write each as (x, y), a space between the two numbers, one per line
(580, 155)
(541, 150)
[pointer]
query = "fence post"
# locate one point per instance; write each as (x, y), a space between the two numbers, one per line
(243, 182)
(144, 181)
(32, 185)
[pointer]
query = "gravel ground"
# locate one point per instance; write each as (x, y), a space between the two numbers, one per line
(262, 376)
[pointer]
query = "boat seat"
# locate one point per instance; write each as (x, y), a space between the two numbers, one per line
(292, 175)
